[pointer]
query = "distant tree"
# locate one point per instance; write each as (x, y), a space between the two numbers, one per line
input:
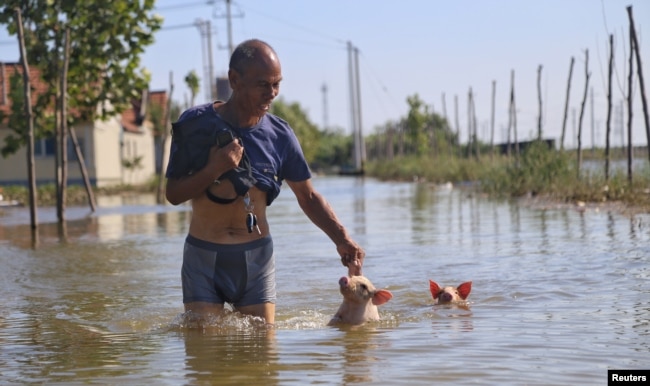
(307, 132)
(416, 125)
(156, 116)
(425, 131)
(421, 132)
(192, 80)
(334, 149)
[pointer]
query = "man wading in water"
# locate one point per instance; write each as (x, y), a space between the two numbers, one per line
(228, 254)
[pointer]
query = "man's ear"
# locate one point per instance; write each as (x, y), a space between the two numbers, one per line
(233, 78)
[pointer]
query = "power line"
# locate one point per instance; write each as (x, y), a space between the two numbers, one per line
(383, 87)
(185, 5)
(291, 24)
(179, 26)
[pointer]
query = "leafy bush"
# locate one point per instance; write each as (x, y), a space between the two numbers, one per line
(539, 170)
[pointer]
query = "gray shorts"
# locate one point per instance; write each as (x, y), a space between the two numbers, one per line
(239, 274)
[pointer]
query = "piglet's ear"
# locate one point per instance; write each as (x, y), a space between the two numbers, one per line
(381, 296)
(464, 289)
(434, 288)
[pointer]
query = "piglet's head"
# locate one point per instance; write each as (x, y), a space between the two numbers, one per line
(358, 289)
(450, 294)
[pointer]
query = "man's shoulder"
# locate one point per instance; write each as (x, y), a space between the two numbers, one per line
(195, 112)
(277, 123)
(276, 120)
(201, 118)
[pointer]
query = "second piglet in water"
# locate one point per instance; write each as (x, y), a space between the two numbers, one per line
(449, 294)
(360, 301)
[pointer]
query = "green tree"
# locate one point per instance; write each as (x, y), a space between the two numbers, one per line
(420, 133)
(335, 149)
(156, 115)
(307, 132)
(192, 81)
(16, 118)
(416, 125)
(87, 54)
(106, 42)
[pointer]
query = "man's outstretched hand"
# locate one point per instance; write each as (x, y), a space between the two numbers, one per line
(352, 257)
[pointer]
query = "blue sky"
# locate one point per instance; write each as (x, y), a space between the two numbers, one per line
(428, 47)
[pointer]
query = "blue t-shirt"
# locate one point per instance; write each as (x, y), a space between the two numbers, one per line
(271, 146)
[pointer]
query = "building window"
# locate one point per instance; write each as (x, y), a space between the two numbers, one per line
(46, 147)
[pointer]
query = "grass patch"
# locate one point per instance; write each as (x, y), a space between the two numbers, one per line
(539, 171)
(75, 194)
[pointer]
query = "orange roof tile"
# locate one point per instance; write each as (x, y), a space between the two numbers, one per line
(7, 71)
(131, 119)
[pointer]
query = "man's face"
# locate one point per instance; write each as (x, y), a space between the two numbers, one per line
(257, 86)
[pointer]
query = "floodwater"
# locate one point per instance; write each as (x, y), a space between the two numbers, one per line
(558, 298)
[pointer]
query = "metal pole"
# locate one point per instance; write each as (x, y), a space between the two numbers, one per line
(360, 142)
(353, 109)
(229, 21)
(325, 114)
(212, 80)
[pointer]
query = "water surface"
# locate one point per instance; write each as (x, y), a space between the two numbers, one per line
(559, 296)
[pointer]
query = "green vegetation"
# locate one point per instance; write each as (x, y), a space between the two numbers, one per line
(538, 172)
(76, 194)
(422, 146)
(431, 169)
(192, 81)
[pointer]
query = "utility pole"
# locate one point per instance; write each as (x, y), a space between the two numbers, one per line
(325, 111)
(222, 88)
(229, 22)
(205, 30)
(355, 108)
(362, 144)
(228, 16)
(211, 79)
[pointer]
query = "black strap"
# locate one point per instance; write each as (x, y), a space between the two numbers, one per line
(219, 200)
(241, 182)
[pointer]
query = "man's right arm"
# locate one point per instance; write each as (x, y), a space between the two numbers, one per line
(179, 190)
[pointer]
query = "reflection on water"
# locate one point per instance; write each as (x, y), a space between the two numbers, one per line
(116, 217)
(231, 356)
(558, 297)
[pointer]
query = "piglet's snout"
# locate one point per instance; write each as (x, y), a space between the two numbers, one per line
(343, 281)
(446, 297)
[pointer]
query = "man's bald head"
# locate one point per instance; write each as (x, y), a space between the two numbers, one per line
(253, 51)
